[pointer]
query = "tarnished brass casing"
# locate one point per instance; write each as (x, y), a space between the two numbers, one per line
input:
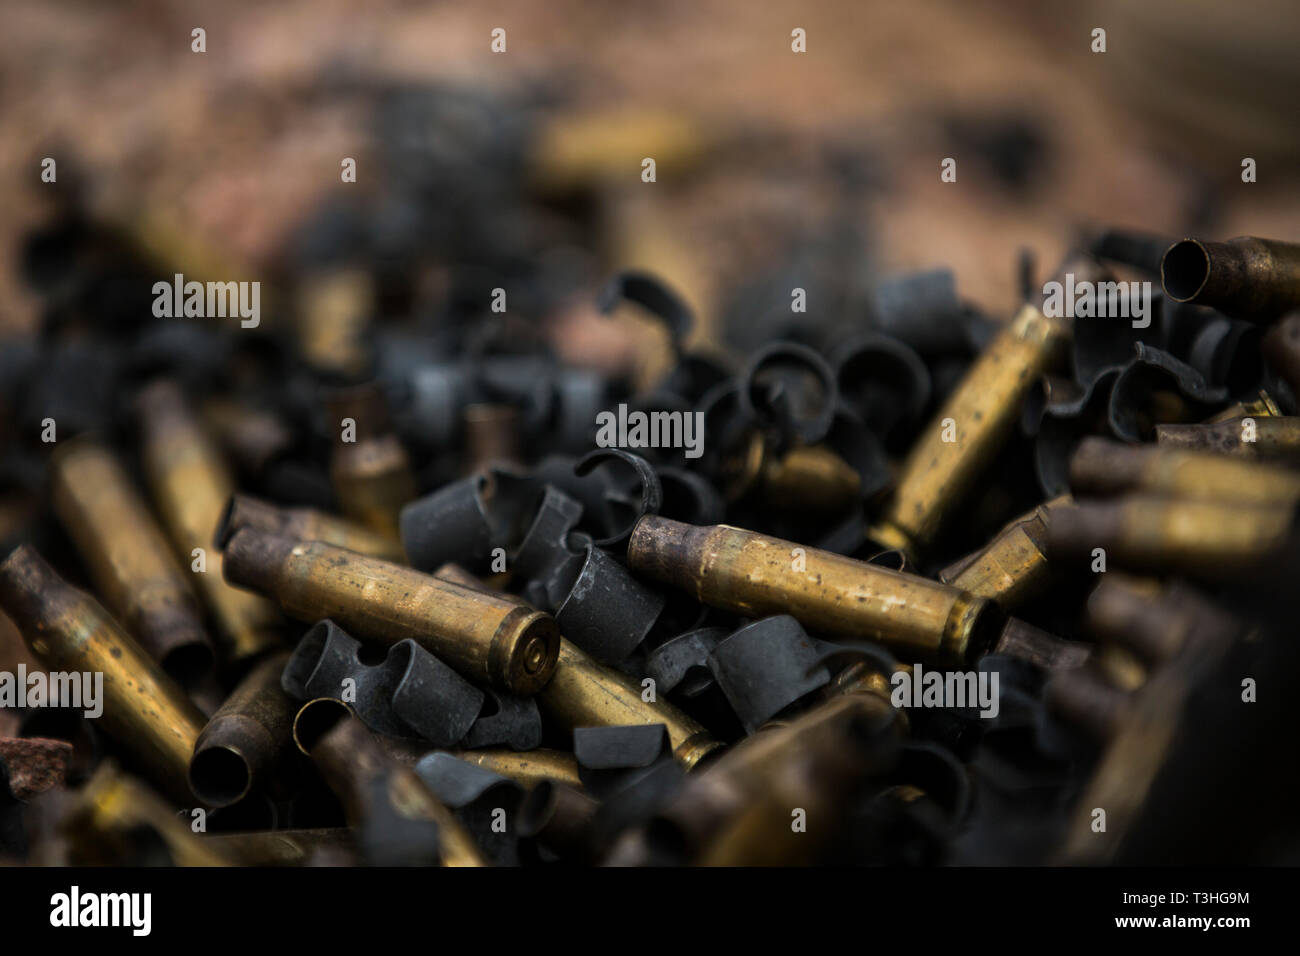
(1266, 438)
(585, 693)
(191, 485)
(240, 746)
(371, 474)
(1104, 467)
(129, 560)
(1013, 567)
(106, 817)
(526, 767)
(144, 710)
(737, 811)
(1196, 537)
(755, 575)
(1247, 278)
(484, 636)
(362, 776)
(959, 445)
(305, 524)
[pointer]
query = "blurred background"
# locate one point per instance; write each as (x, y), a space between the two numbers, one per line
(768, 162)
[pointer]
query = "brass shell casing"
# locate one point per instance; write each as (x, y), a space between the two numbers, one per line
(484, 636)
(144, 710)
(938, 474)
(1012, 568)
(1247, 278)
(246, 737)
(305, 524)
(371, 475)
(129, 560)
(754, 575)
(108, 813)
(1196, 537)
(526, 767)
(360, 773)
(585, 693)
(191, 485)
(1106, 468)
(1273, 438)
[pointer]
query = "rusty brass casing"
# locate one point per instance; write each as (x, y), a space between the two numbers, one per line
(585, 693)
(484, 636)
(305, 524)
(526, 767)
(190, 485)
(754, 575)
(815, 762)
(1012, 568)
(1247, 278)
(1104, 467)
(129, 560)
(372, 475)
(105, 818)
(983, 409)
(1085, 698)
(245, 739)
(1043, 649)
(1275, 439)
(363, 777)
(144, 710)
(1195, 537)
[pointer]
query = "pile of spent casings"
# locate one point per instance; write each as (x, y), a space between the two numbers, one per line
(396, 586)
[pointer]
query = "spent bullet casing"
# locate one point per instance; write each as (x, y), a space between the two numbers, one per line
(585, 693)
(1104, 467)
(371, 472)
(959, 445)
(144, 710)
(374, 787)
(1266, 438)
(129, 560)
(1248, 278)
(239, 748)
(191, 486)
(110, 814)
(1195, 537)
(304, 524)
(815, 762)
(756, 575)
(526, 767)
(482, 635)
(1013, 567)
